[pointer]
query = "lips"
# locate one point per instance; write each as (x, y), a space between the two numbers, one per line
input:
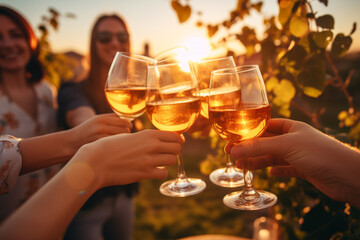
(10, 55)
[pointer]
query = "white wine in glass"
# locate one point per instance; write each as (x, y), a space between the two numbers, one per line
(228, 176)
(173, 104)
(245, 118)
(126, 84)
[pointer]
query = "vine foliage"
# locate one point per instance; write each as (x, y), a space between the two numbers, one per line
(297, 56)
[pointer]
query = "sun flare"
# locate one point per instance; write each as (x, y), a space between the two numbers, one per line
(199, 47)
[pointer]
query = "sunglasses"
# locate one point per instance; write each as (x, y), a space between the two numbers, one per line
(106, 37)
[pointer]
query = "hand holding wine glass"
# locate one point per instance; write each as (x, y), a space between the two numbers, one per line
(126, 84)
(173, 104)
(239, 110)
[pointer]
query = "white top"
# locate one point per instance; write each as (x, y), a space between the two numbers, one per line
(17, 122)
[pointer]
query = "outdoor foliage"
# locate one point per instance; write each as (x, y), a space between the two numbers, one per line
(298, 57)
(57, 66)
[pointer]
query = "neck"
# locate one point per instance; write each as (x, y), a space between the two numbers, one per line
(13, 79)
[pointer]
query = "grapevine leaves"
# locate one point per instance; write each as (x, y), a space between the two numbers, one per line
(282, 93)
(322, 39)
(309, 71)
(299, 26)
(311, 79)
(325, 21)
(183, 12)
(341, 45)
(212, 29)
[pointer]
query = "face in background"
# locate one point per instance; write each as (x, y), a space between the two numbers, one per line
(108, 42)
(15, 51)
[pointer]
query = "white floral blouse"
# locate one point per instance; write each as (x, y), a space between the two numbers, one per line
(10, 162)
(17, 122)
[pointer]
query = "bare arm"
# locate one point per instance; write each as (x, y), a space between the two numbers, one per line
(79, 115)
(46, 150)
(125, 158)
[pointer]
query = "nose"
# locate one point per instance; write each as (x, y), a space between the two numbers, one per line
(6, 41)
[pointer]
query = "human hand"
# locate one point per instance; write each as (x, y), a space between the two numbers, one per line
(126, 158)
(298, 150)
(99, 126)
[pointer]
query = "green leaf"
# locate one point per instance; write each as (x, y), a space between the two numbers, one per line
(311, 79)
(355, 132)
(285, 11)
(271, 83)
(183, 12)
(54, 23)
(294, 58)
(325, 21)
(285, 91)
(325, 2)
(342, 115)
(312, 82)
(350, 120)
(322, 39)
(341, 45)
(299, 26)
(54, 12)
(212, 29)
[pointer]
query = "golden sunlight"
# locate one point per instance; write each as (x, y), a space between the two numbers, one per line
(199, 47)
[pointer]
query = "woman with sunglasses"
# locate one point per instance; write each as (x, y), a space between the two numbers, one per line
(108, 214)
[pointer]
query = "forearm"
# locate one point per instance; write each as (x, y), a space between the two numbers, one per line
(79, 115)
(47, 214)
(46, 150)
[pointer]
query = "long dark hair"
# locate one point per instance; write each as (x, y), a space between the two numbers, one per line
(93, 83)
(34, 71)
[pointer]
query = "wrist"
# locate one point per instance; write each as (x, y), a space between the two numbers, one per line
(82, 172)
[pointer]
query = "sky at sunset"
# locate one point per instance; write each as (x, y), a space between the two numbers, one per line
(155, 22)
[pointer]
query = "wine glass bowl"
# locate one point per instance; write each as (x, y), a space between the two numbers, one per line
(125, 86)
(173, 104)
(228, 176)
(203, 69)
(246, 117)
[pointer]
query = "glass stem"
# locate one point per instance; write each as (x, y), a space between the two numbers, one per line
(181, 170)
(229, 164)
(248, 193)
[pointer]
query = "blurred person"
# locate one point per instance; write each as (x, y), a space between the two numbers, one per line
(125, 158)
(295, 149)
(27, 102)
(109, 212)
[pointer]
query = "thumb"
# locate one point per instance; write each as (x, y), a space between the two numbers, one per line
(259, 147)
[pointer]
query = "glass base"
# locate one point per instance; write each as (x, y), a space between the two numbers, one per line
(231, 178)
(182, 188)
(261, 200)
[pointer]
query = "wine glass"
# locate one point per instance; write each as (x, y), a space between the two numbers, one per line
(239, 110)
(173, 104)
(229, 176)
(173, 55)
(126, 84)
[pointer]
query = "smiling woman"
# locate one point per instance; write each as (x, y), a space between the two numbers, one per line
(27, 107)
(109, 212)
